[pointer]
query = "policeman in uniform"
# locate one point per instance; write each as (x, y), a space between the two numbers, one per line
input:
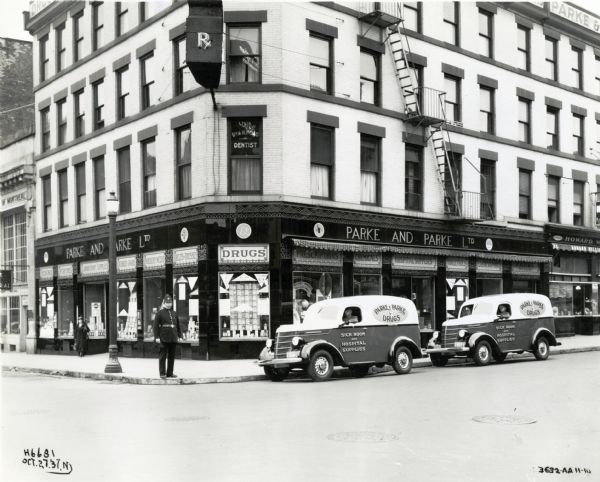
(167, 332)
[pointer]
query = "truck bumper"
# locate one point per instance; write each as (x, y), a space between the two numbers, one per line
(449, 352)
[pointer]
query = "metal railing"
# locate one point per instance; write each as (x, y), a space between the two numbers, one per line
(392, 8)
(473, 205)
(431, 103)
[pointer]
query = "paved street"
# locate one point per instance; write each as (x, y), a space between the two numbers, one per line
(384, 427)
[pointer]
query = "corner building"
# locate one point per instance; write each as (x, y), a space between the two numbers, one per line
(353, 149)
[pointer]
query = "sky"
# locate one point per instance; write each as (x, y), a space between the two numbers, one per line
(11, 17)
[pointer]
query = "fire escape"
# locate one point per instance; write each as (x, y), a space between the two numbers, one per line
(425, 107)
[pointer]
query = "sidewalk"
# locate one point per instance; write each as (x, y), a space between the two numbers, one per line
(144, 371)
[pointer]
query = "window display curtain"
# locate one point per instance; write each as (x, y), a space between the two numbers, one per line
(245, 174)
(319, 180)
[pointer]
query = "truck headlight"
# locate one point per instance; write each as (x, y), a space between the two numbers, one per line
(462, 333)
(296, 341)
(269, 343)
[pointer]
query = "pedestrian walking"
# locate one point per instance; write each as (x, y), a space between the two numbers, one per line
(166, 332)
(82, 336)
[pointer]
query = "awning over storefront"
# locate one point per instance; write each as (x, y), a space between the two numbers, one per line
(380, 248)
(575, 248)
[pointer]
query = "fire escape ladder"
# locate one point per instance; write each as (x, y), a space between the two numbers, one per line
(447, 172)
(398, 44)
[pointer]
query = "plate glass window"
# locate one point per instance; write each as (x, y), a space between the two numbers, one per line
(553, 199)
(78, 36)
(450, 25)
(551, 46)
(61, 48)
(66, 312)
(485, 33)
(413, 181)
(47, 201)
(44, 58)
(244, 53)
(486, 109)
(246, 155)
(552, 116)
(45, 123)
(154, 290)
(63, 199)
(14, 245)
(369, 77)
(124, 166)
(578, 134)
(576, 67)
(321, 160)
(98, 104)
(183, 155)
(184, 80)
(79, 113)
(123, 105)
(524, 194)
(524, 120)
(97, 25)
(320, 63)
(122, 13)
(94, 309)
(148, 69)
(578, 202)
(80, 192)
(99, 188)
(452, 88)
(369, 169)
(149, 169)
(523, 48)
(61, 117)
(411, 14)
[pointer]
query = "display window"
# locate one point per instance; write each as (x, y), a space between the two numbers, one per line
(94, 309)
(310, 287)
(457, 292)
(66, 312)
(366, 284)
(155, 289)
(186, 304)
(525, 286)
(127, 312)
(489, 286)
(244, 306)
(574, 299)
(419, 289)
(47, 312)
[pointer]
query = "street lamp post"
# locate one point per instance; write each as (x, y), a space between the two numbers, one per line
(112, 209)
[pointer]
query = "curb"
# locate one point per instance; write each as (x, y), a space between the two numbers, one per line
(124, 379)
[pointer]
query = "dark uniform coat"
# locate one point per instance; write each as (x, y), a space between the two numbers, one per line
(82, 338)
(166, 326)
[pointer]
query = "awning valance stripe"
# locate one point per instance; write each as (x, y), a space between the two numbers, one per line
(379, 248)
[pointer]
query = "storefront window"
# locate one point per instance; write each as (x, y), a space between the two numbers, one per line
(457, 292)
(4, 316)
(489, 286)
(94, 309)
(310, 287)
(154, 291)
(126, 310)
(47, 313)
(66, 311)
(561, 297)
(186, 305)
(366, 284)
(420, 290)
(244, 310)
(525, 286)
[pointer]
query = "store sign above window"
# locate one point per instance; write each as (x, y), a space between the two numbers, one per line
(317, 257)
(65, 271)
(204, 41)
(416, 263)
(367, 260)
(243, 254)
(185, 256)
(46, 273)
(93, 268)
(154, 260)
(126, 264)
(575, 15)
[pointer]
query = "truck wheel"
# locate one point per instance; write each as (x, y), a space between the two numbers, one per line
(482, 353)
(320, 367)
(359, 371)
(541, 349)
(438, 360)
(276, 374)
(402, 360)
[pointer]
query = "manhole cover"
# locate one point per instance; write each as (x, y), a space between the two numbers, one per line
(504, 419)
(185, 419)
(364, 437)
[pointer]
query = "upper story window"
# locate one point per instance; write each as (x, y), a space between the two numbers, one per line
(524, 120)
(124, 170)
(369, 77)
(183, 161)
(184, 80)
(578, 141)
(44, 58)
(487, 185)
(14, 230)
(97, 25)
(99, 188)
(245, 149)
(122, 92)
(553, 199)
(552, 116)
(45, 125)
(369, 169)
(413, 178)
(98, 104)
(578, 201)
(411, 14)
(79, 111)
(143, 11)
(551, 47)
(149, 96)
(63, 199)
(244, 53)
(149, 171)
(61, 121)
(80, 193)
(486, 109)
(524, 194)
(597, 75)
(47, 203)
(577, 67)
(451, 23)
(523, 47)
(61, 48)
(452, 98)
(321, 70)
(78, 36)
(322, 160)
(122, 18)
(486, 44)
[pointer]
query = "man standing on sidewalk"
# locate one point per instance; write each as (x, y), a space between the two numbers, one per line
(166, 332)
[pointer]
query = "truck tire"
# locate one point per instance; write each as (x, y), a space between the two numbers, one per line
(403, 361)
(320, 367)
(541, 349)
(482, 353)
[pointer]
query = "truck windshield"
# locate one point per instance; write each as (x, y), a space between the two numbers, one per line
(476, 309)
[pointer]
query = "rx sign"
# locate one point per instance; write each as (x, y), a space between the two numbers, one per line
(204, 41)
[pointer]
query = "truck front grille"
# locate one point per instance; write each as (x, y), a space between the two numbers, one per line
(283, 344)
